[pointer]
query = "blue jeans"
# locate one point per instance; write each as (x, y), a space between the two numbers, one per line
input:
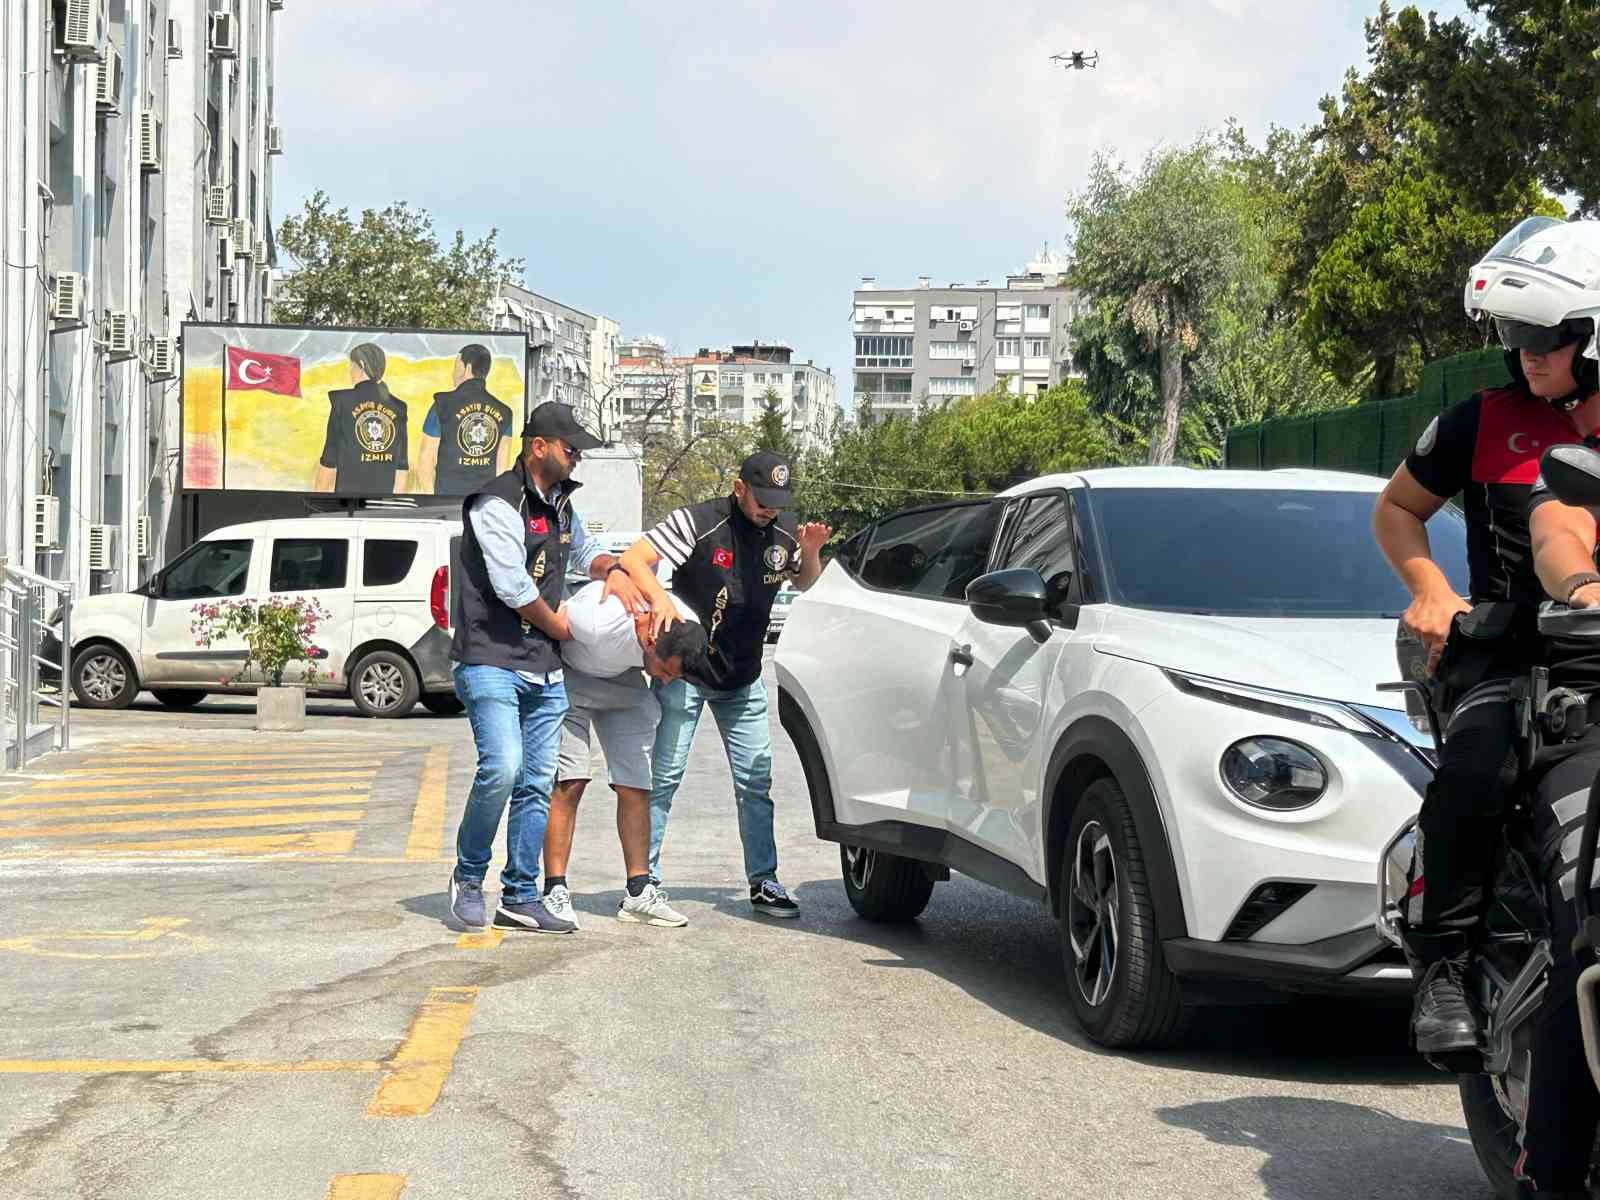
(517, 726)
(741, 717)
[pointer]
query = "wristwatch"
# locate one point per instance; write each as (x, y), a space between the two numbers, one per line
(1571, 584)
(617, 566)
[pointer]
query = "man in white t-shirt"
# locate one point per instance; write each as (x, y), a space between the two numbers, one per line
(608, 665)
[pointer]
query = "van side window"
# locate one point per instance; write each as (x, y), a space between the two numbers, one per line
(386, 562)
(308, 564)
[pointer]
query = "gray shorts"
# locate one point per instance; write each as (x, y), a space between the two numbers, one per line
(624, 712)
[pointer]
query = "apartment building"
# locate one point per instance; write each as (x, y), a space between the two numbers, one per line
(734, 384)
(136, 152)
(936, 344)
(572, 354)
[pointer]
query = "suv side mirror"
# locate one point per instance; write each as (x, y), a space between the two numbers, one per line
(1015, 597)
(1573, 473)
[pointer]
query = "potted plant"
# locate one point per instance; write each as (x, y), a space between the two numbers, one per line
(275, 633)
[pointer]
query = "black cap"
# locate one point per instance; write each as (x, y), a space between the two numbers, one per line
(551, 420)
(767, 475)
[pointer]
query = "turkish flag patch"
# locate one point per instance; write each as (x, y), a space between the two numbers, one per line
(538, 525)
(722, 558)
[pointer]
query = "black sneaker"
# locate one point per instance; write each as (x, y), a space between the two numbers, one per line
(530, 916)
(770, 900)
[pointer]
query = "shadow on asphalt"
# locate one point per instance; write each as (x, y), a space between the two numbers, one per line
(245, 706)
(1004, 952)
(1318, 1148)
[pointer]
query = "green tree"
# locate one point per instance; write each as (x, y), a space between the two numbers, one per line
(683, 467)
(1154, 249)
(388, 270)
(771, 434)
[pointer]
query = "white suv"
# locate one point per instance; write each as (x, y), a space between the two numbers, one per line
(1147, 698)
(384, 583)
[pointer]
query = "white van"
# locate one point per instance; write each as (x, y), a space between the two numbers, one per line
(383, 581)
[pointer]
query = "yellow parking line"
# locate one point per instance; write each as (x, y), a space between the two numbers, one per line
(488, 939)
(190, 806)
(417, 1072)
(309, 846)
(312, 816)
(427, 818)
(191, 1066)
(77, 773)
(283, 775)
(38, 799)
(366, 1187)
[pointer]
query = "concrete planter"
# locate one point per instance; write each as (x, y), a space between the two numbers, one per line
(281, 709)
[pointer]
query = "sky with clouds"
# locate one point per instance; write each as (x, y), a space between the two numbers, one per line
(721, 172)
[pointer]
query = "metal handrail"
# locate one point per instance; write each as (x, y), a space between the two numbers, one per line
(22, 626)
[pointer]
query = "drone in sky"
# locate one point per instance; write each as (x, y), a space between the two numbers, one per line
(1077, 60)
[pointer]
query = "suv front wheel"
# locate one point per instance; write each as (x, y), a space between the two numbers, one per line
(1117, 977)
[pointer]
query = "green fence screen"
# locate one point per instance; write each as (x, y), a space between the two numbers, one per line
(1372, 439)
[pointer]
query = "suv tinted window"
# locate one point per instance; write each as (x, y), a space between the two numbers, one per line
(210, 569)
(308, 564)
(386, 562)
(933, 552)
(1044, 541)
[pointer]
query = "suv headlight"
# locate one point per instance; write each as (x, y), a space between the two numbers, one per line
(1274, 773)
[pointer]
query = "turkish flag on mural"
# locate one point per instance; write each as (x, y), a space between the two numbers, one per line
(250, 370)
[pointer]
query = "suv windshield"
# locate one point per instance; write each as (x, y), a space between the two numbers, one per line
(1248, 552)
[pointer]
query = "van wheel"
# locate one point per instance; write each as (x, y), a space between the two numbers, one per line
(102, 677)
(443, 704)
(384, 684)
(178, 697)
(884, 887)
(1117, 977)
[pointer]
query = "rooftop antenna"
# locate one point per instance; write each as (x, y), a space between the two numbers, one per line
(1077, 60)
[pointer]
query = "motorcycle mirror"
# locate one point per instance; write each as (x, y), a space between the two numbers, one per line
(1572, 474)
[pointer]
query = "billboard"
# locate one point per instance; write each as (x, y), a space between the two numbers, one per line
(351, 412)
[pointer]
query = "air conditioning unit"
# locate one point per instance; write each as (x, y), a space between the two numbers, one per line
(149, 142)
(218, 210)
(225, 254)
(162, 362)
(268, 288)
(142, 536)
(261, 251)
(108, 82)
(275, 5)
(224, 36)
(232, 289)
(119, 336)
(46, 522)
(68, 304)
(274, 139)
(80, 32)
(966, 326)
(174, 39)
(100, 541)
(243, 238)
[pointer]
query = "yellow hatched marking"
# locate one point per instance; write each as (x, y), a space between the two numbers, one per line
(366, 1187)
(159, 773)
(37, 799)
(190, 806)
(310, 816)
(288, 845)
(163, 1066)
(487, 939)
(427, 818)
(417, 1072)
(297, 754)
(274, 777)
(45, 945)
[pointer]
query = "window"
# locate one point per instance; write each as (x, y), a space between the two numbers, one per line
(386, 562)
(933, 552)
(1044, 542)
(881, 351)
(962, 385)
(760, 377)
(888, 314)
(308, 564)
(1008, 347)
(1036, 347)
(1036, 312)
(733, 379)
(961, 350)
(209, 569)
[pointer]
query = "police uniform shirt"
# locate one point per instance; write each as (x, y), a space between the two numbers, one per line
(469, 423)
(727, 569)
(366, 440)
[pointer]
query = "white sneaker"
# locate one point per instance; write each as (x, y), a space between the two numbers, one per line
(650, 907)
(559, 901)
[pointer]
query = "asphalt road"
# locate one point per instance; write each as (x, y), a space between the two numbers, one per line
(278, 1009)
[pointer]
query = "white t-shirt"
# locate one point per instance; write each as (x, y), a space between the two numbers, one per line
(603, 642)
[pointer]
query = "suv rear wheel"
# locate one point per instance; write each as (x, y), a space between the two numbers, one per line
(1117, 977)
(384, 684)
(884, 887)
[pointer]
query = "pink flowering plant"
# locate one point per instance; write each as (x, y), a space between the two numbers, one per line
(275, 633)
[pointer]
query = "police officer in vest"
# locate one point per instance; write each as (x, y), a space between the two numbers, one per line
(729, 558)
(519, 531)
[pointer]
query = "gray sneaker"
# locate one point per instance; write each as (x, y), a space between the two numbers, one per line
(650, 907)
(466, 902)
(559, 901)
(530, 916)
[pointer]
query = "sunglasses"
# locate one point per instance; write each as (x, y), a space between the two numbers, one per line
(1535, 339)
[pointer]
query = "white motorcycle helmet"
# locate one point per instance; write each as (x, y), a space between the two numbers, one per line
(1540, 284)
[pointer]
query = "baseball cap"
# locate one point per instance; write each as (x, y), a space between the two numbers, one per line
(551, 420)
(767, 475)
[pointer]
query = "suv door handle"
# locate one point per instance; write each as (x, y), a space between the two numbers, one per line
(962, 655)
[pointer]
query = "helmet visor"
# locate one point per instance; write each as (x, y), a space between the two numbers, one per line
(1535, 339)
